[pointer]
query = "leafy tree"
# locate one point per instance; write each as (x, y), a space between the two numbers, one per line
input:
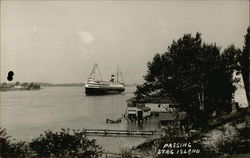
(64, 144)
(3, 85)
(195, 75)
(17, 83)
(25, 84)
(244, 61)
(36, 86)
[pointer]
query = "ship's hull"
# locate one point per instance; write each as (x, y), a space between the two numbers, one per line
(103, 91)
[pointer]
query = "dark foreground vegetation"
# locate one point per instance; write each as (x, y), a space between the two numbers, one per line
(63, 144)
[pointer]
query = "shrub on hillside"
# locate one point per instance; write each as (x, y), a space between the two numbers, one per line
(229, 139)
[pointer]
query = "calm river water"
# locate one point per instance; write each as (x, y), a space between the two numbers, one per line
(26, 114)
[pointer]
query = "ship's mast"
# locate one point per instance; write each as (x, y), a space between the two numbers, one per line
(122, 77)
(93, 71)
(119, 72)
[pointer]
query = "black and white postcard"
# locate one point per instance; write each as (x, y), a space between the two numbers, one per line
(124, 79)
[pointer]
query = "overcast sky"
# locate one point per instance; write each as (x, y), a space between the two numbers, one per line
(59, 41)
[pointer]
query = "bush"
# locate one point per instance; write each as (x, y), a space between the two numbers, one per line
(11, 150)
(126, 153)
(64, 145)
(229, 139)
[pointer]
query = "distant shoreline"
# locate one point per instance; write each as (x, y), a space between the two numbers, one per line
(71, 84)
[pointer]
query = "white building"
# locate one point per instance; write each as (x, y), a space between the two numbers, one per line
(138, 112)
(240, 96)
(159, 107)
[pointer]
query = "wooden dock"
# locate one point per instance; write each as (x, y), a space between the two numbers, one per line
(109, 132)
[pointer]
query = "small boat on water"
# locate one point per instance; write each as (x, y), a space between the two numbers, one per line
(114, 121)
(101, 87)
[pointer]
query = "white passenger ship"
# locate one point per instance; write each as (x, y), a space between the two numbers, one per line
(101, 87)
